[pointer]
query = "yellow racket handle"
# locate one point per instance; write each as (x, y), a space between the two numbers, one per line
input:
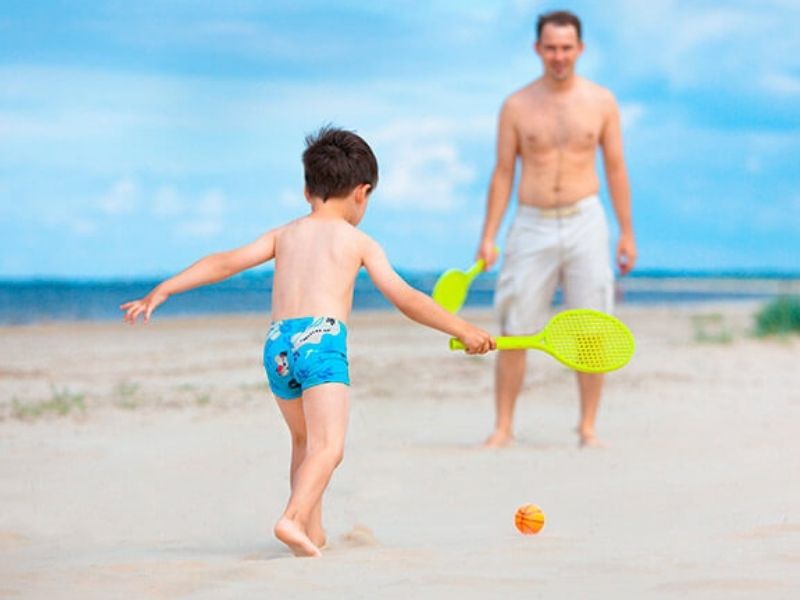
(514, 342)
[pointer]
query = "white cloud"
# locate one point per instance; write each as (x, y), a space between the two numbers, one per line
(697, 44)
(291, 199)
(422, 166)
(208, 222)
(425, 176)
(782, 84)
(168, 202)
(775, 215)
(631, 113)
(82, 227)
(479, 126)
(69, 222)
(753, 165)
(121, 198)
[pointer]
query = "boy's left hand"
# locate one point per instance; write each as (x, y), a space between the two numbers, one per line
(144, 305)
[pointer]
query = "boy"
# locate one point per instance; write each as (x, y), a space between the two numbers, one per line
(317, 258)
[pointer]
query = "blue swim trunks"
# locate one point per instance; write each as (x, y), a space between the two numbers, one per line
(301, 353)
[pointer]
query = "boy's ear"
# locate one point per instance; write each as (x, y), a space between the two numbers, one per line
(306, 194)
(362, 192)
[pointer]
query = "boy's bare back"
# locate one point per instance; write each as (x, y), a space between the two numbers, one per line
(316, 263)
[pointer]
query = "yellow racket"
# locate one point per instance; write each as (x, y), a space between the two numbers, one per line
(585, 340)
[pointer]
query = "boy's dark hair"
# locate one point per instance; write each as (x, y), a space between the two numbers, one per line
(336, 161)
(560, 18)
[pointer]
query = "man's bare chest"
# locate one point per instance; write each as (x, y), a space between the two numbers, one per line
(549, 127)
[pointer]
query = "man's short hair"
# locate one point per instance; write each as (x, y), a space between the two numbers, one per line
(560, 18)
(336, 161)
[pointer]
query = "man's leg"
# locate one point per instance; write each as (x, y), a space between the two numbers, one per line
(326, 412)
(292, 411)
(590, 386)
(508, 378)
(588, 283)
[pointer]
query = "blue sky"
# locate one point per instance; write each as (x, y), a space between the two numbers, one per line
(137, 137)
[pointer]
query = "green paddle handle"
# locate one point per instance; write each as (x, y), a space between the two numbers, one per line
(479, 267)
(475, 270)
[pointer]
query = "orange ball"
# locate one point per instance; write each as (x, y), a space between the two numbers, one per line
(529, 519)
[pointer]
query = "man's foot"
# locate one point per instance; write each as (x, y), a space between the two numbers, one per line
(499, 439)
(291, 534)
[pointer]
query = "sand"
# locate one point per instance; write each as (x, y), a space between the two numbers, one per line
(164, 474)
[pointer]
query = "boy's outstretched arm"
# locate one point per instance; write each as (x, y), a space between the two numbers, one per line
(418, 306)
(210, 269)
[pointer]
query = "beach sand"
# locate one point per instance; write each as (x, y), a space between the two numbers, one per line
(168, 467)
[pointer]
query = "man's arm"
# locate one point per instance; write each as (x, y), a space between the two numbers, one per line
(501, 184)
(618, 186)
(210, 269)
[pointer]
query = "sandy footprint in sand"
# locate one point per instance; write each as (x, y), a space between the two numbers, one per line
(12, 538)
(768, 531)
(359, 535)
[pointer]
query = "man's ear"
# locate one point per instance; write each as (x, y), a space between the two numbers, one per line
(306, 194)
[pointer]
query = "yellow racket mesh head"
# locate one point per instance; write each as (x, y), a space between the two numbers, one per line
(589, 340)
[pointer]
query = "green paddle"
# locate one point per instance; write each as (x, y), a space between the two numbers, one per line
(452, 286)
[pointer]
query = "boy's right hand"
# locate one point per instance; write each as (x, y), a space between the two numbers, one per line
(476, 340)
(145, 305)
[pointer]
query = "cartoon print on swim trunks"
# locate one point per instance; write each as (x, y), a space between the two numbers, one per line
(274, 331)
(282, 367)
(314, 332)
(282, 362)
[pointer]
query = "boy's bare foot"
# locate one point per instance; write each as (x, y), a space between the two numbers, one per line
(590, 440)
(498, 439)
(291, 534)
(318, 537)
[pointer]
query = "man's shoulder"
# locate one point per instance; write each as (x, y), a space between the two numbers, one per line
(521, 98)
(524, 92)
(596, 91)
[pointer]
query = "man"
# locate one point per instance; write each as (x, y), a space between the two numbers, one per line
(559, 235)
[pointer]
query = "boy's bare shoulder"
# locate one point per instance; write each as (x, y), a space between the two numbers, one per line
(364, 241)
(281, 229)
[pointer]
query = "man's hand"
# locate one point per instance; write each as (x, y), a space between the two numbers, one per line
(488, 252)
(626, 254)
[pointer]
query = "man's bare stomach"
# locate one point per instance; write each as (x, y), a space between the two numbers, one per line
(550, 199)
(551, 188)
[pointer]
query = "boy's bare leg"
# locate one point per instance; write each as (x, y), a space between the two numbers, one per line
(590, 386)
(292, 411)
(509, 375)
(326, 413)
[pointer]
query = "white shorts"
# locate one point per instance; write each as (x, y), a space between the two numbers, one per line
(548, 247)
